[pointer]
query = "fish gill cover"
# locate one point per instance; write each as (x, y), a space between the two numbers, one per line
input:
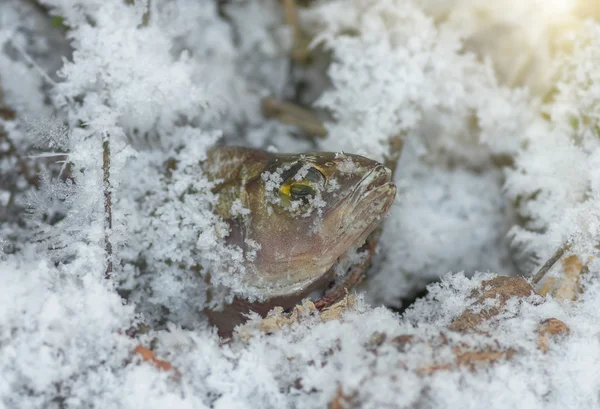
(110, 248)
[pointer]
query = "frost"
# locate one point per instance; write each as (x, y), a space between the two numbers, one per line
(253, 247)
(273, 180)
(237, 209)
(109, 244)
(554, 182)
(302, 172)
(347, 165)
(48, 133)
(414, 81)
(521, 38)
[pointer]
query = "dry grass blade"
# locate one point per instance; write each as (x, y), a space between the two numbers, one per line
(549, 264)
(107, 206)
(292, 114)
(300, 52)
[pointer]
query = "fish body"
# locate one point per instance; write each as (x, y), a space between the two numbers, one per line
(294, 215)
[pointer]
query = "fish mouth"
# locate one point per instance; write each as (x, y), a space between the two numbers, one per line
(375, 203)
(362, 210)
(378, 179)
(379, 176)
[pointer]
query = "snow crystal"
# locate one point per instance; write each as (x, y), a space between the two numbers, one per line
(347, 165)
(302, 172)
(132, 95)
(237, 209)
(272, 180)
(554, 180)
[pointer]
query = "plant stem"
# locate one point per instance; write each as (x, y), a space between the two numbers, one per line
(300, 52)
(107, 206)
(549, 263)
(293, 114)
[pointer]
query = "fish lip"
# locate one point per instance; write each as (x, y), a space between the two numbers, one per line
(385, 193)
(379, 176)
(375, 185)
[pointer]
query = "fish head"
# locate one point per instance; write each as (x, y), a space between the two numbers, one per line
(305, 212)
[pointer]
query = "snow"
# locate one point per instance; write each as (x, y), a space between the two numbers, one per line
(439, 223)
(498, 111)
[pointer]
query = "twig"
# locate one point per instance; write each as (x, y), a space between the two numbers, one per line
(35, 65)
(549, 264)
(396, 144)
(293, 114)
(46, 155)
(107, 206)
(300, 51)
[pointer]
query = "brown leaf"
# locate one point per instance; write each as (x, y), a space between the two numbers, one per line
(500, 288)
(277, 318)
(472, 359)
(551, 328)
(342, 401)
(403, 342)
(566, 285)
(148, 356)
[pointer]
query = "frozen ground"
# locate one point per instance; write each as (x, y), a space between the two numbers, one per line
(498, 108)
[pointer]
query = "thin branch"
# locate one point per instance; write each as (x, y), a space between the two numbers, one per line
(34, 64)
(293, 114)
(549, 264)
(46, 155)
(396, 144)
(107, 206)
(65, 165)
(39, 69)
(300, 52)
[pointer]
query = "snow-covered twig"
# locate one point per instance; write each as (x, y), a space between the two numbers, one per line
(549, 264)
(107, 206)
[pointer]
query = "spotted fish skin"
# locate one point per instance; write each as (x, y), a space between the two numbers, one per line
(293, 215)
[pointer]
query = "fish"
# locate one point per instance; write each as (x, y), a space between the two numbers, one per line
(293, 216)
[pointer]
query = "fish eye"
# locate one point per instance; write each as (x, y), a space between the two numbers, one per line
(300, 182)
(299, 191)
(303, 173)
